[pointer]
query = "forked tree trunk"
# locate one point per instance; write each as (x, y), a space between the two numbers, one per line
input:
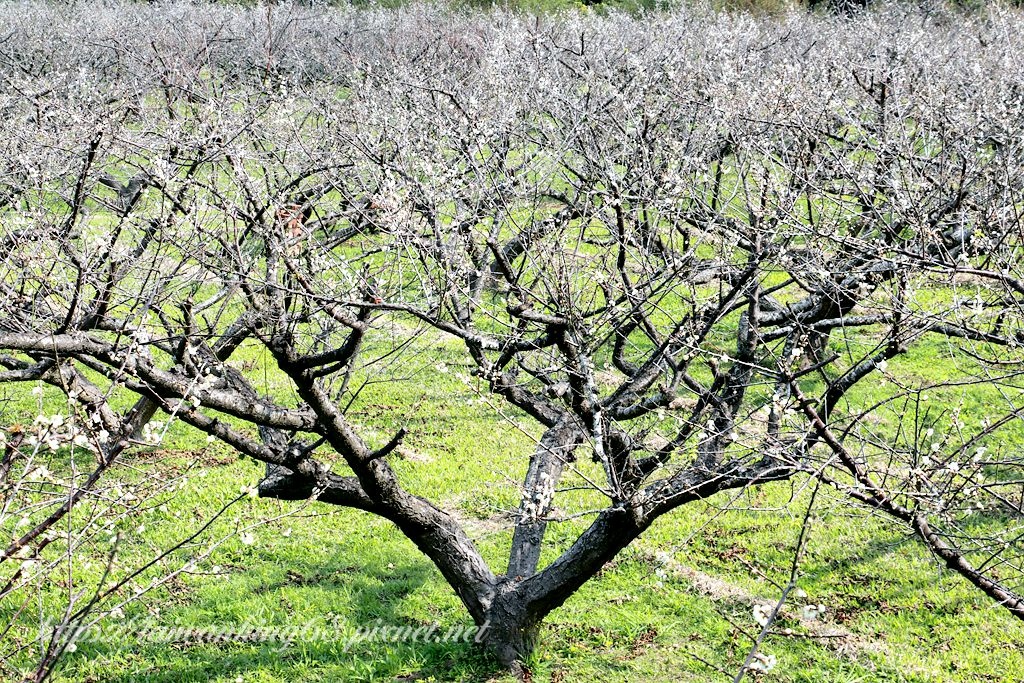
(510, 634)
(518, 607)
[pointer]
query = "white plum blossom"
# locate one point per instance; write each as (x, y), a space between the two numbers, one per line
(762, 663)
(762, 614)
(812, 612)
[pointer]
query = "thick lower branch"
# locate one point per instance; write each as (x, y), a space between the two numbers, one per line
(284, 484)
(956, 561)
(435, 532)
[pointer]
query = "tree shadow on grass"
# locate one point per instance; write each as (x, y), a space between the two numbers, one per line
(262, 624)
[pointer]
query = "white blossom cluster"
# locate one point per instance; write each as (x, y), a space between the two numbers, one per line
(56, 431)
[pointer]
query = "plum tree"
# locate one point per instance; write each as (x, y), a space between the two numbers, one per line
(694, 257)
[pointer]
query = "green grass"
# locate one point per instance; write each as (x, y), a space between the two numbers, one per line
(644, 618)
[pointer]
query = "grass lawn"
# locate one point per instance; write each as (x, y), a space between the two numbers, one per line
(677, 605)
